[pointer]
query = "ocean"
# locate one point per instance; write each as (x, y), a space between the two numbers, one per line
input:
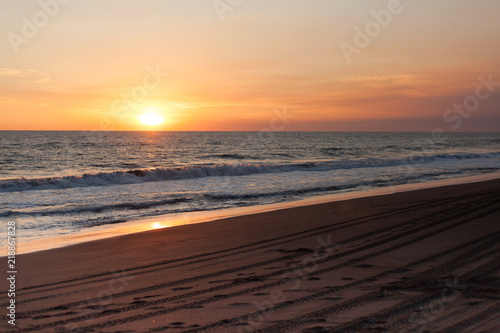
(56, 183)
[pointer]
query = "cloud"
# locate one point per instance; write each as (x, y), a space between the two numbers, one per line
(422, 84)
(30, 74)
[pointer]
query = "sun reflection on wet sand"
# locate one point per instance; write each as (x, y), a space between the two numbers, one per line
(158, 225)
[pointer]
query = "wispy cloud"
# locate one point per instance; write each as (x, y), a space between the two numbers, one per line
(30, 74)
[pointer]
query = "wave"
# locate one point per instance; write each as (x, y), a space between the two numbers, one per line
(99, 209)
(220, 170)
(382, 181)
(278, 193)
(85, 216)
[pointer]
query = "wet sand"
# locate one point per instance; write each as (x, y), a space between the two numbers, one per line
(411, 261)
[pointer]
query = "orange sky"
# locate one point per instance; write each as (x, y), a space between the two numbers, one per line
(209, 65)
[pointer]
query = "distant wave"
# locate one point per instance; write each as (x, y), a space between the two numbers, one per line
(218, 170)
(334, 151)
(282, 155)
(232, 156)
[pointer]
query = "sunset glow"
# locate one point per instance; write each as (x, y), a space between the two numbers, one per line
(335, 65)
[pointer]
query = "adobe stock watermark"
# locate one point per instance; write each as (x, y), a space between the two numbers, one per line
(297, 274)
(127, 103)
(372, 29)
(420, 319)
(123, 107)
(32, 26)
(89, 308)
(278, 122)
(454, 116)
(225, 6)
(470, 103)
(11, 272)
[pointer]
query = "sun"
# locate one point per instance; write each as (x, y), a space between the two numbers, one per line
(151, 118)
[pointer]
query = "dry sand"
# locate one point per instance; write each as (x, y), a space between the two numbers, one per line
(425, 260)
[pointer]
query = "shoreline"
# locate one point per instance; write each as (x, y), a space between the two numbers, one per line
(181, 219)
(325, 266)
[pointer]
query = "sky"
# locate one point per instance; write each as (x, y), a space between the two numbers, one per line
(324, 65)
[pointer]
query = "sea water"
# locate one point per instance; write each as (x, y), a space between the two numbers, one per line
(55, 183)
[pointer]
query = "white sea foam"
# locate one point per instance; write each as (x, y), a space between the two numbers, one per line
(220, 170)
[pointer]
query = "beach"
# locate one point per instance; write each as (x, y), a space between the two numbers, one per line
(250, 166)
(411, 261)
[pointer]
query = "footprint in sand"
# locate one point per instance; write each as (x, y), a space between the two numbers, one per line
(181, 288)
(41, 317)
(139, 302)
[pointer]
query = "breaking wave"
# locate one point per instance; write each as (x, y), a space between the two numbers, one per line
(219, 170)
